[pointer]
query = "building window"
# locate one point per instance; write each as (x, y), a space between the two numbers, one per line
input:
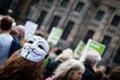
(5, 5)
(117, 57)
(79, 6)
(50, 1)
(41, 18)
(54, 23)
(67, 29)
(64, 3)
(106, 41)
(89, 35)
(116, 20)
(99, 15)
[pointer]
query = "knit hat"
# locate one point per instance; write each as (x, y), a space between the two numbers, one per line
(35, 49)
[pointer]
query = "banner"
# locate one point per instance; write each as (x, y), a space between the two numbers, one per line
(55, 35)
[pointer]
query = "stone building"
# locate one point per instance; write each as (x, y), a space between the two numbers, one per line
(81, 20)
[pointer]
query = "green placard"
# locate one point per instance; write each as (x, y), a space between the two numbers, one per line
(79, 48)
(55, 35)
(96, 46)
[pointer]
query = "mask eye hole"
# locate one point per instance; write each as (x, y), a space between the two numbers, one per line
(40, 46)
(30, 42)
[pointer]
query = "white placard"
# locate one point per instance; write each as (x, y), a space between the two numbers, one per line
(30, 28)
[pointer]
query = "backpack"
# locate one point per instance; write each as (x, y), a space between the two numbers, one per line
(14, 46)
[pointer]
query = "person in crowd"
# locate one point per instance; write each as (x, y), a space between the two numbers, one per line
(14, 33)
(52, 55)
(15, 42)
(99, 75)
(71, 69)
(101, 68)
(115, 73)
(21, 30)
(91, 59)
(107, 72)
(65, 55)
(54, 52)
(5, 37)
(26, 63)
(100, 71)
(39, 33)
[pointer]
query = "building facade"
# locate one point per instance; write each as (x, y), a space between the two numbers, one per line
(80, 20)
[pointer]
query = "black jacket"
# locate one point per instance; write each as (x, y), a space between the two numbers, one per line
(51, 68)
(89, 72)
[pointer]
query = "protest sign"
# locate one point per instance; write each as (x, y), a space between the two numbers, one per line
(96, 46)
(55, 35)
(93, 45)
(79, 49)
(30, 28)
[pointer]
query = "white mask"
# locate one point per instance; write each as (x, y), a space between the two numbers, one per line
(35, 49)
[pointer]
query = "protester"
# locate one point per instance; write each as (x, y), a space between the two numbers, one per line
(39, 33)
(99, 75)
(15, 42)
(27, 63)
(65, 55)
(21, 30)
(101, 68)
(52, 55)
(91, 60)
(115, 74)
(69, 70)
(5, 37)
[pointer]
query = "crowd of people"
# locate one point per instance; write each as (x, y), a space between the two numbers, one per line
(37, 59)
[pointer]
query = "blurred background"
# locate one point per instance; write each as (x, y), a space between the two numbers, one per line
(79, 19)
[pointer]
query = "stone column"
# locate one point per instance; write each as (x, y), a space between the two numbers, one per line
(24, 7)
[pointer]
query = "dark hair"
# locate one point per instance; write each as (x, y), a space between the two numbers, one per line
(99, 75)
(14, 32)
(115, 74)
(6, 23)
(58, 51)
(39, 33)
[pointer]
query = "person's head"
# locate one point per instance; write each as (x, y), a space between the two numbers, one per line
(69, 70)
(21, 30)
(14, 33)
(39, 33)
(92, 57)
(99, 75)
(27, 63)
(35, 49)
(65, 55)
(6, 23)
(101, 68)
(108, 70)
(58, 51)
(115, 74)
